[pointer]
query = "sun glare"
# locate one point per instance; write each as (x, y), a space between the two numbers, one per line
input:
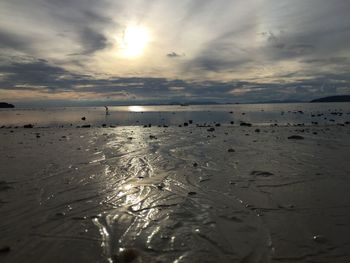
(134, 41)
(136, 108)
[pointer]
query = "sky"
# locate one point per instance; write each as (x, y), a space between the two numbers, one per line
(55, 52)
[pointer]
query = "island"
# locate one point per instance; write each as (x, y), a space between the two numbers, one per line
(340, 98)
(6, 105)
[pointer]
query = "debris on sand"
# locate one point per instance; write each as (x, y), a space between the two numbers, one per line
(5, 249)
(261, 173)
(192, 193)
(86, 126)
(295, 137)
(246, 124)
(152, 137)
(211, 129)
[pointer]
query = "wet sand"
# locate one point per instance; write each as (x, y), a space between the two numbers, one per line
(233, 194)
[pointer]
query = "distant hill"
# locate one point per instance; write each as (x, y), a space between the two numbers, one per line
(6, 105)
(340, 98)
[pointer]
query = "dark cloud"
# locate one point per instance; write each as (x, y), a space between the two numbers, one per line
(39, 75)
(92, 41)
(53, 22)
(173, 55)
(10, 40)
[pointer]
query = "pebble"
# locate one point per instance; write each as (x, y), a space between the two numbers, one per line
(5, 249)
(295, 137)
(245, 124)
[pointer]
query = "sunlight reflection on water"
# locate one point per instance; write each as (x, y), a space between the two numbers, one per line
(136, 109)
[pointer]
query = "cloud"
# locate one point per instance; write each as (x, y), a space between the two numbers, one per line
(173, 55)
(244, 50)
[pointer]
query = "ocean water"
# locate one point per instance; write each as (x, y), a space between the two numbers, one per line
(257, 114)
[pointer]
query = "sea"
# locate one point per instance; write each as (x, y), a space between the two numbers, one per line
(175, 115)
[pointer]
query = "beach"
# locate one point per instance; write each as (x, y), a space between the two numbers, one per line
(175, 194)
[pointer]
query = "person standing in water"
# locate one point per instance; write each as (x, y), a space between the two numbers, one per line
(107, 112)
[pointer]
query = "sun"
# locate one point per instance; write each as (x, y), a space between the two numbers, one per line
(134, 41)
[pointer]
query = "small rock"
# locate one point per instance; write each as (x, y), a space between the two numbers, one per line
(60, 214)
(192, 193)
(5, 249)
(28, 126)
(261, 173)
(127, 255)
(160, 186)
(231, 150)
(295, 137)
(245, 124)
(83, 118)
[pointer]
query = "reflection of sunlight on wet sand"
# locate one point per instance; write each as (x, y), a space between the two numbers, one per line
(136, 108)
(135, 197)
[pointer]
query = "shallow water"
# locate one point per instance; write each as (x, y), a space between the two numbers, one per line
(258, 114)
